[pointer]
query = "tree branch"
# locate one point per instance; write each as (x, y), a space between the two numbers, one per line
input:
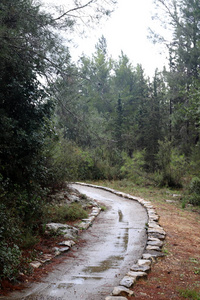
(73, 9)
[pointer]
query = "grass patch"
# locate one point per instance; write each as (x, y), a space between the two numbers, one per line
(65, 213)
(28, 240)
(83, 197)
(189, 294)
(150, 192)
(103, 208)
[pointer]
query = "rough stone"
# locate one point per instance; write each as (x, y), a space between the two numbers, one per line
(96, 210)
(94, 213)
(74, 198)
(142, 265)
(145, 262)
(35, 264)
(151, 238)
(154, 253)
(142, 268)
(153, 224)
(45, 257)
(157, 235)
(122, 291)
(153, 217)
(91, 218)
(127, 281)
(84, 225)
(157, 243)
(69, 232)
(136, 274)
(69, 243)
(156, 248)
(64, 249)
(156, 231)
(149, 257)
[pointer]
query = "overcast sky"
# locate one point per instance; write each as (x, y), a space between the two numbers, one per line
(126, 30)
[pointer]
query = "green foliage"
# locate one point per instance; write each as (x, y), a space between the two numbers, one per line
(189, 294)
(28, 239)
(195, 160)
(134, 168)
(103, 208)
(195, 185)
(172, 165)
(194, 191)
(9, 251)
(9, 231)
(9, 260)
(65, 213)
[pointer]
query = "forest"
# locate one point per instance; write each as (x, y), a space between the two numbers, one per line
(97, 119)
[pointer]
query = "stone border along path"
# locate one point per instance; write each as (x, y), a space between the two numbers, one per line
(155, 238)
(69, 233)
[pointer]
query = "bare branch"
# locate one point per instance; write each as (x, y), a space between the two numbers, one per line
(73, 9)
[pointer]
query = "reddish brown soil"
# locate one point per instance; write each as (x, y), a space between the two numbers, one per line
(44, 246)
(182, 247)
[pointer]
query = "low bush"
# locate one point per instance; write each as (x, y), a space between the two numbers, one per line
(10, 253)
(28, 239)
(172, 165)
(134, 169)
(194, 191)
(65, 213)
(10, 259)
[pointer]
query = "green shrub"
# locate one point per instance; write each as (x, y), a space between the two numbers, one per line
(9, 251)
(172, 165)
(195, 185)
(194, 191)
(28, 207)
(28, 239)
(134, 168)
(194, 199)
(10, 258)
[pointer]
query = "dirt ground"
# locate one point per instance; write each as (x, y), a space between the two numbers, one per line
(177, 275)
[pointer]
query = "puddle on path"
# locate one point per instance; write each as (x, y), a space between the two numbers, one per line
(42, 297)
(105, 265)
(78, 279)
(120, 215)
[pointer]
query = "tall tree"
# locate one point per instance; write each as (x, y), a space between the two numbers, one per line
(184, 58)
(124, 80)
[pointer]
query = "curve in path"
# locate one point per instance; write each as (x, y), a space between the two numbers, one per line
(116, 240)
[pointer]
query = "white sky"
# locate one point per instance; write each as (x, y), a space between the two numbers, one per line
(126, 30)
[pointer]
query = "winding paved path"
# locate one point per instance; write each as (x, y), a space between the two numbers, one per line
(115, 241)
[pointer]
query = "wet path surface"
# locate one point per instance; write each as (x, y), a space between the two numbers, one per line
(94, 266)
